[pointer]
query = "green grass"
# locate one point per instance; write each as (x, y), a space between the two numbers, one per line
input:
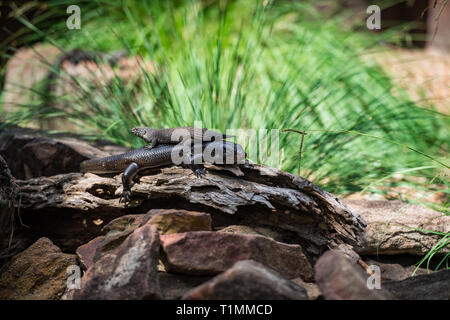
(435, 252)
(258, 65)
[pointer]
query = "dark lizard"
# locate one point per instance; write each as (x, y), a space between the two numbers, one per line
(131, 162)
(176, 135)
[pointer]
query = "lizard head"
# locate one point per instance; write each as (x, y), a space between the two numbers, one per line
(144, 133)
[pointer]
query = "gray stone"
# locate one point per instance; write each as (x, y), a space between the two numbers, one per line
(433, 286)
(392, 227)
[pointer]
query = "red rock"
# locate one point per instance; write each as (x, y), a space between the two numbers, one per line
(116, 232)
(248, 280)
(165, 220)
(209, 253)
(340, 279)
(129, 273)
(86, 252)
(110, 243)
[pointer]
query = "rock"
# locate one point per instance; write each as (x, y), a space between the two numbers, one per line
(128, 222)
(130, 273)
(391, 227)
(253, 230)
(340, 279)
(247, 280)
(348, 252)
(174, 286)
(437, 42)
(38, 273)
(209, 253)
(86, 252)
(177, 221)
(26, 68)
(312, 290)
(117, 232)
(433, 286)
(68, 295)
(160, 267)
(165, 220)
(97, 71)
(395, 271)
(48, 154)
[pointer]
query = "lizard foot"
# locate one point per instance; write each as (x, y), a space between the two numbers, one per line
(125, 197)
(199, 172)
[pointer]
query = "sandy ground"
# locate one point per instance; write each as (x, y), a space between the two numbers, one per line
(425, 74)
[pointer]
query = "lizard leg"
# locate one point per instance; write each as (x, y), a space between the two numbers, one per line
(198, 169)
(152, 144)
(127, 181)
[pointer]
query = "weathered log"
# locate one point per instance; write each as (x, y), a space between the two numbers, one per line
(8, 192)
(32, 153)
(248, 194)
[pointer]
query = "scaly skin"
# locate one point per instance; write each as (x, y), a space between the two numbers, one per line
(131, 162)
(143, 157)
(164, 136)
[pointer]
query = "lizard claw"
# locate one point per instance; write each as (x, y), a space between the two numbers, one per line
(125, 197)
(199, 172)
